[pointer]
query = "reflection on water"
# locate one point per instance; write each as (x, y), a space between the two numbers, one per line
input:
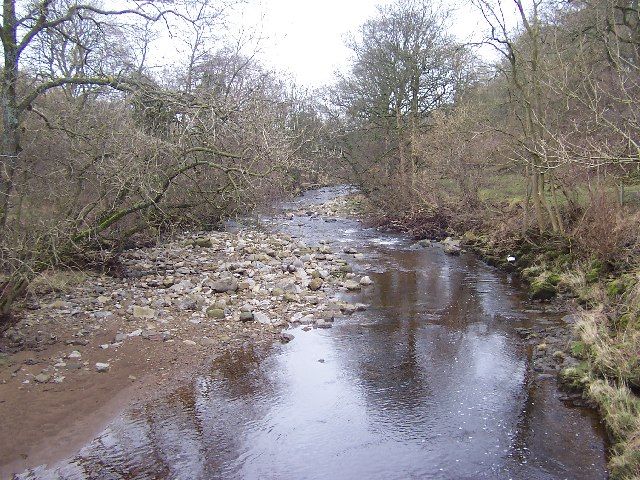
(430, 382)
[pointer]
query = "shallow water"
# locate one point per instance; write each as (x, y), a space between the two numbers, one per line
(430, 382)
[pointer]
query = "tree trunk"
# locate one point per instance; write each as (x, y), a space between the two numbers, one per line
(10, 112)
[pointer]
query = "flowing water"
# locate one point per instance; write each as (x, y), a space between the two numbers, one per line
(431, 382)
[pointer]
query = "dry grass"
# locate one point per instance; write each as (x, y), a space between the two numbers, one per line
(56, 281)
(621, 411)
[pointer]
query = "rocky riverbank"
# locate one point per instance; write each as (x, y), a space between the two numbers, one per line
(76, 356)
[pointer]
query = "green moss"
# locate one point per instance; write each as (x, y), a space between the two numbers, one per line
(595, 270)
(544, 286)
(577, 377)
(620, 286)
(579, 350)
(533, 271)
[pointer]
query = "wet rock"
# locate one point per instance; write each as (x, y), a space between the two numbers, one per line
(345, 268)
(320, 323)
(571, 319)
(102, 367)
(451, 246)
(351, 285)
(286, 337)
(348, 308)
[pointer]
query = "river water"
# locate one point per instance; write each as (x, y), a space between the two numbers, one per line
(431, 382)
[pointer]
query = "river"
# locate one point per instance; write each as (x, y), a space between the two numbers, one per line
(430, 382)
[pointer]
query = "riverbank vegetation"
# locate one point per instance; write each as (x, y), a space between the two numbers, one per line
(535, 155)
(104, 144)
(531, 152)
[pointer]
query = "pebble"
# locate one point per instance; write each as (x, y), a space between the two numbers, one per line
(42, 378)
(102, 367)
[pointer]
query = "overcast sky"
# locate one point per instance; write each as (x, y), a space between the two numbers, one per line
(306, 37)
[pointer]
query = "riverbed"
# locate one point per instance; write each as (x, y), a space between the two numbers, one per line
(432, 381)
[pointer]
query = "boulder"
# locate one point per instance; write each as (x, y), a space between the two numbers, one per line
(451, 246)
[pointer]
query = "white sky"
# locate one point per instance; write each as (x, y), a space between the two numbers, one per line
(306, 37)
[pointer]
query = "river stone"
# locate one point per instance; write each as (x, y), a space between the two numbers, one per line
(102, 367)
(323, 324)
(346, 268)
(348, 308)
(365, 281)
(451, 246)
(290, 297)
(246, 316)
(261, 318)
(42, 378)
(143, 312)
(315, 284)
(351, 285)
(286, 337)
(213, 312)
(225, 285)
(203, 242)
